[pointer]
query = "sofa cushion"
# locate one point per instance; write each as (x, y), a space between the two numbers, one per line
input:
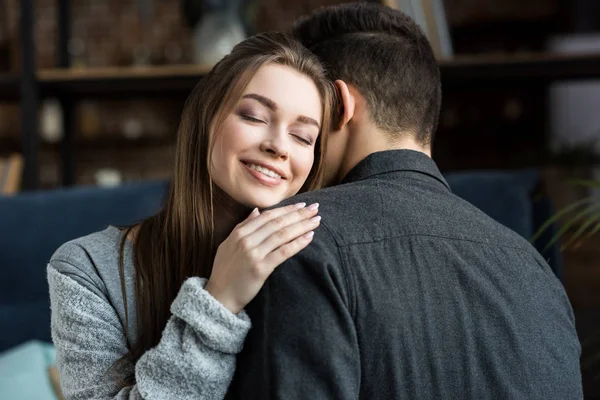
(24, 372)
(503, 195)
(510, 198)
(35, 224)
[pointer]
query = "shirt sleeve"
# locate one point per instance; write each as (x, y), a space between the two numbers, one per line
(303, 344)
(195, 357)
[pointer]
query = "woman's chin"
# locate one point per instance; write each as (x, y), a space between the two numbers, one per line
(263, 203)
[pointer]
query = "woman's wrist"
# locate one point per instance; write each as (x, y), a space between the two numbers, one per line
(225, 300)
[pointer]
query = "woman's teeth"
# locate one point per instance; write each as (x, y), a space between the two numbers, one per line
(264, 171)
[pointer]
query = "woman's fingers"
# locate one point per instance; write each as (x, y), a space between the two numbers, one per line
(288, 250)
(279, 225)
(286, 234)
(255, 247)
(251, 224)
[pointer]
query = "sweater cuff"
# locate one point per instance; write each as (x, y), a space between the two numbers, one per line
(216, 326)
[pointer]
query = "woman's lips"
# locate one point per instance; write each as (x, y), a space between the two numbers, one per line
(262, 178)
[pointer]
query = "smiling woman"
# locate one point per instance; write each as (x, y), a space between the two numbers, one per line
(265, 147)
(155, 310)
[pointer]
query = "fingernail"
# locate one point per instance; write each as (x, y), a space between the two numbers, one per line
(309, 235)
(313, 206)
(315, 219)
(299, 205)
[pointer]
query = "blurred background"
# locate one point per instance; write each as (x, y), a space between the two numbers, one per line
(91, 90)
(91, 93)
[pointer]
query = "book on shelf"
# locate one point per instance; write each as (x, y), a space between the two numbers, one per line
(430, 15)
(11, 169)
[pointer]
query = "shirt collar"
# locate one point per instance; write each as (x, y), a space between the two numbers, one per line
(384, 162)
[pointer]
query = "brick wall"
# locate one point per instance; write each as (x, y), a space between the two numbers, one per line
(108, 32)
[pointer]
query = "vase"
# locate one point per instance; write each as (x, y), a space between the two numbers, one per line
(216, 34)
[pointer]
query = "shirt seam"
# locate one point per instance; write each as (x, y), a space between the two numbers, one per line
(351, 289)
(348, 280)
(472, 240)
(438, 180)
(437, 184)
(114, 317)
(90, 278)
(380, 199)
(103, 289)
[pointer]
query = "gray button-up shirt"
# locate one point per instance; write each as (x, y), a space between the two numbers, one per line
(409, 292)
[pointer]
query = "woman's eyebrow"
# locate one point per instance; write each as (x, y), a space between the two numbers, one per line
(265, 101)
(270, 104)
(307, 120)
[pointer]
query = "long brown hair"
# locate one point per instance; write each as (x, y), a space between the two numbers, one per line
(178, 243)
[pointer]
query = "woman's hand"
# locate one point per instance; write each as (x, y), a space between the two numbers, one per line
(255, 248)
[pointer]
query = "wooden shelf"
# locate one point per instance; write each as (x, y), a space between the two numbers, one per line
(94, 82)
(112, 143)
(101, 143)
(518, 69)
(459, 72)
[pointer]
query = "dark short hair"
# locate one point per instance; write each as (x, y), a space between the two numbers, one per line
(386, 56)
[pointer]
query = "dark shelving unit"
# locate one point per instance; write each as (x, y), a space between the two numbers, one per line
(70, 85)
(511, 70)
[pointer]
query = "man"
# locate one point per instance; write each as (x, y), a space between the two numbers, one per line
(407, 291)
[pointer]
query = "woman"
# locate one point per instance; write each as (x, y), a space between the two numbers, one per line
(133, 315)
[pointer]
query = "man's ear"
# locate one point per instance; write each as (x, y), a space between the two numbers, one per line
(347, 103)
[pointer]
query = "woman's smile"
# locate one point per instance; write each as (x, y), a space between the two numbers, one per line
(264, 174)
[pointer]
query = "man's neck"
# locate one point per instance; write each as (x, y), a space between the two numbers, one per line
(410, 144)
(371, 140)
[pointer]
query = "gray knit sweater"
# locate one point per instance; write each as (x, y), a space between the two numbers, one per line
(196, 354)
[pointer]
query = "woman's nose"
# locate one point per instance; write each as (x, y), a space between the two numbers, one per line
(275, 146)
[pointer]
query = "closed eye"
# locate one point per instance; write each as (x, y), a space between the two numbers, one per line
(303, 140)
(251, 119)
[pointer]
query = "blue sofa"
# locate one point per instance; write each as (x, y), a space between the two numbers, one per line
(34, 225)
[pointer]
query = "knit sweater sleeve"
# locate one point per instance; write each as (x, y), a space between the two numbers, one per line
(195, 357)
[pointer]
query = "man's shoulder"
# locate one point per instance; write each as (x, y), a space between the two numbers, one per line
(321, 261)
(343, 207)
(316, 196)
(325, 243)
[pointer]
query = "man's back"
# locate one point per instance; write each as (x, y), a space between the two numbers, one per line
(439, 301)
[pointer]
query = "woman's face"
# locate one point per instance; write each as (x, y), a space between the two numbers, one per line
(264, 150)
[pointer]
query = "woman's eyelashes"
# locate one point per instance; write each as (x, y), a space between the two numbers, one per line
(250, 118)
(304, 140)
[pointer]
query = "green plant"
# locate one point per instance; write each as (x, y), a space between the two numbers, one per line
(578, 222)
(583, 214)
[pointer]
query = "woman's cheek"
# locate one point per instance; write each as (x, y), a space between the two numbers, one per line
(307, 163)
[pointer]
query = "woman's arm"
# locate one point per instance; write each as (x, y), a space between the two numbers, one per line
(195, 357)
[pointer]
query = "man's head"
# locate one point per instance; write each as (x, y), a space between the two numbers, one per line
(390, 81)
